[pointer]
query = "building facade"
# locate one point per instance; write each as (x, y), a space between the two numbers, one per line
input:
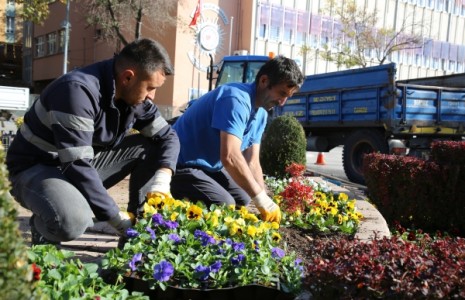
(11, 56)
(226, 27)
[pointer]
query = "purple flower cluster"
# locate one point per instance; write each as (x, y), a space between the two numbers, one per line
(204, 237)
(203, 272)
(158, 220)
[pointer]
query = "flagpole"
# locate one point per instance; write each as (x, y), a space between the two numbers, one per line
(230, 34)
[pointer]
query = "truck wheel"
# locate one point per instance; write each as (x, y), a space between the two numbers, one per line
(356, 145)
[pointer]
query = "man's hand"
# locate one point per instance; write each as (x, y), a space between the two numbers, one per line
(269, 210)
(161, 183)
(122, 221)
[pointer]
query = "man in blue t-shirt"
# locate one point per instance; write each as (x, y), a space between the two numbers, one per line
(220, 136)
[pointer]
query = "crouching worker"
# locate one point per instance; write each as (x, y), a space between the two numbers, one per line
(74, 144)
(220, 136)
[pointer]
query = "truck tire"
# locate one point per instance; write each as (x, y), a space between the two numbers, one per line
(359, 143)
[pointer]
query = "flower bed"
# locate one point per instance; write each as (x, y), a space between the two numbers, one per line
(179, 244)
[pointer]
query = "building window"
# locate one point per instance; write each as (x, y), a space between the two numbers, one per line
(274, 33)
(51, 43)
(61, 41)
(262, 32)
(40, 46)
(10, 24)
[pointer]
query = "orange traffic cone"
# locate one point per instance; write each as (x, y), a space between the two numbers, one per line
(320, 160)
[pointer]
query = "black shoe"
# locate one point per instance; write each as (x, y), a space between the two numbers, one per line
(121, 242)
(37, 238)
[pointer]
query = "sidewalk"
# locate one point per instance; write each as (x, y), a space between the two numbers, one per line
(100, 238)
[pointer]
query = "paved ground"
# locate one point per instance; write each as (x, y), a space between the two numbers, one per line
(92, 245)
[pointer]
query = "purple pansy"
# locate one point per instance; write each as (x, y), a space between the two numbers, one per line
(163, 271)
(277, 253)
(135, 259)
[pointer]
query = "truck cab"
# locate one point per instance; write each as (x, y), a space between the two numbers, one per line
(239, 68)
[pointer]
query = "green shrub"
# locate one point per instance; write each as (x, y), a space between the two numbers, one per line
(283, 143)
(15, 272)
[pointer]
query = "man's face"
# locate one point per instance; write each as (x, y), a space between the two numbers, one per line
(277, 95)
(135, 88)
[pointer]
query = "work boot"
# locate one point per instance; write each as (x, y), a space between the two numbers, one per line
(121, 242)
(37, 238)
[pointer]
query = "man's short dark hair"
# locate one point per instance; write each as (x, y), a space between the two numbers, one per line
(145, 54)
(281, 69)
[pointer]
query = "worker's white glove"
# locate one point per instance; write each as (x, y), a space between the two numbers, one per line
(122, 221)
(269, 210)
(161, 183)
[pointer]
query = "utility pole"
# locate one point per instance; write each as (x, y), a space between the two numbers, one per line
(66, 25)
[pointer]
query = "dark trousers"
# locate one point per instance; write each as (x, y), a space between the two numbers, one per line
(61, 211)
(210, 187)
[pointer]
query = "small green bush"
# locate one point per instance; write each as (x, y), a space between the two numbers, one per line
(15, 272)
(283, 143)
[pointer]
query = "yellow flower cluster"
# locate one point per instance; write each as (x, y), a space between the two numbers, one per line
(237, 222)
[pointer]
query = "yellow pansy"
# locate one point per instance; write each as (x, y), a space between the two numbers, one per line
(235, 229)
(251, 230)
(243, 211)
(276, 237)
(149, 210)
(251, 217)
(214, 220)
(228, 220)
(174, 216)
(274, 225)
(319, 196)
(240, 222)
(315, 211)
(194, 212)
(351, 204)
(278, 199)
(342, 197)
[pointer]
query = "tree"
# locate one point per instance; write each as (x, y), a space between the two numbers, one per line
(358, 34)
(35, 11)
(117, 18)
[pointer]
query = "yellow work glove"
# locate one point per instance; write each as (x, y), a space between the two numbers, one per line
(122, 221)
(161, 183)
(269, 211)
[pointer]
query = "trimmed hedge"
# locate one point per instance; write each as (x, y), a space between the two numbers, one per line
(415, 192)
(283, 143)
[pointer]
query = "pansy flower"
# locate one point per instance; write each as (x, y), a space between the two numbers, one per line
(277, 253)
(135, 259)
(163, 271)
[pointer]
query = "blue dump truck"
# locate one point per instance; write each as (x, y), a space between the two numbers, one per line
(367, 110)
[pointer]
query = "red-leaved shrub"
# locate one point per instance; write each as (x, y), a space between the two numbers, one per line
(388, 268)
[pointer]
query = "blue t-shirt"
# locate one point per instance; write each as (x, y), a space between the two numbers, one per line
(229, 108)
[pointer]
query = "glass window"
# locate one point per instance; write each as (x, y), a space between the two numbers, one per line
(10, 24)
(288, 34)
(262, 31)
(300, 38)
(274, 33)
(40, 46)
(61, 41)
(52, 43)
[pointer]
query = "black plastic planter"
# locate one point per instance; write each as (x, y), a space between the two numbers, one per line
(234, 293)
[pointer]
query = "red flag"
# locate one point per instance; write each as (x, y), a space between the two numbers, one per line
(196, 14)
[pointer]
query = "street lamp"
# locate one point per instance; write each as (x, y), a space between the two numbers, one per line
(66, 25)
